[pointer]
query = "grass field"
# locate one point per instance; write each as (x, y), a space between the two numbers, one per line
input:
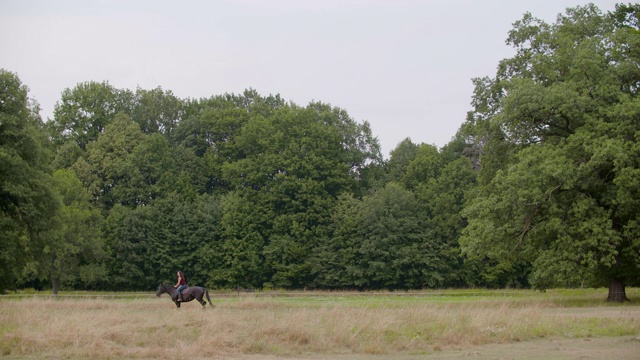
(306, 324)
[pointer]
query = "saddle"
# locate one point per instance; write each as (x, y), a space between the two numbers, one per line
(184, 291)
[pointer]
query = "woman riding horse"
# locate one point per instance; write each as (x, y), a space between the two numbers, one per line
(181, 285)
(194, 292)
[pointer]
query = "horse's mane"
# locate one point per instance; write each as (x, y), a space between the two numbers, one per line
(164, 285)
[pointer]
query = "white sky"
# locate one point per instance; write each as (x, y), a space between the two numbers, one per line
(404, 66)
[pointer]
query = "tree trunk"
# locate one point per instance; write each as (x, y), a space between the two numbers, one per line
(617, 291)
(55, 284)
(55, 279)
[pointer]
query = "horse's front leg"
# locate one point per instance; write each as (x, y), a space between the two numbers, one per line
(177, 304)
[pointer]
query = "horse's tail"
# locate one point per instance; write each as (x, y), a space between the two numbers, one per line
(206, 292)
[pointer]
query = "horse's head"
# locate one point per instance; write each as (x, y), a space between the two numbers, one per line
(162, 289)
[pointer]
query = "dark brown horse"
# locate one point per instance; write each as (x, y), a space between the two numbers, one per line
(188, 294)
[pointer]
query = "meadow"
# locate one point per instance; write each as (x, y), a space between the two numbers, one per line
(318, 325)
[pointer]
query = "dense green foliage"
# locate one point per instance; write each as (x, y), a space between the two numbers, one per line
(539, 187)
(27, 199)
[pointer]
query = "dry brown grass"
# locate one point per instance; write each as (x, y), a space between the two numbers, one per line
(151, 328)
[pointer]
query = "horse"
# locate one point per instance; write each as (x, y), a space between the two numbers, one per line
(188, 294)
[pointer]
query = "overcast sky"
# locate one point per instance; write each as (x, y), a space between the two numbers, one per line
(404, 66)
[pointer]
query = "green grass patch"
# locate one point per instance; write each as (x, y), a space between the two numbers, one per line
(554, 297)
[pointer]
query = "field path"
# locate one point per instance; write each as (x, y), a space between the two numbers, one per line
(627, 348)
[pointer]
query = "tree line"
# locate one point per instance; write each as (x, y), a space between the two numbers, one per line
(540, 186)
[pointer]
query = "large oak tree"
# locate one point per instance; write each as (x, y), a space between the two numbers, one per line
(561, 125)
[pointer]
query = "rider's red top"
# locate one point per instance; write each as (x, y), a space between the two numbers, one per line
(183, 281)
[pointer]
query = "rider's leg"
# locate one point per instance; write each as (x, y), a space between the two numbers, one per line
(180, 292)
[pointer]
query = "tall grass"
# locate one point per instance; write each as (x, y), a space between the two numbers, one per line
(316, 323)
